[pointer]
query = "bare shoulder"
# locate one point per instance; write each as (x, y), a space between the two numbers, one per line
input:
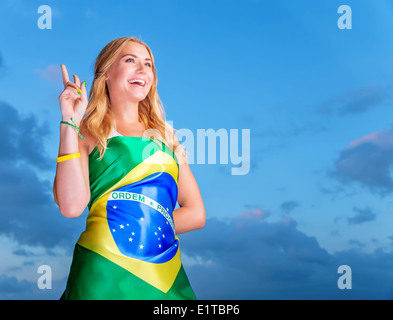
(175, 141)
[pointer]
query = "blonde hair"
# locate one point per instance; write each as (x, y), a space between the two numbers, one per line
(98, 119)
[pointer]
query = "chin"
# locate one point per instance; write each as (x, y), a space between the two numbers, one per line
(137, 95)
(137, 98)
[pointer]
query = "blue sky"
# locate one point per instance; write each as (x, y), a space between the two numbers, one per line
(316, 99)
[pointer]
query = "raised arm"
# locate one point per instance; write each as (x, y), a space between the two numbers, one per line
(71, 184)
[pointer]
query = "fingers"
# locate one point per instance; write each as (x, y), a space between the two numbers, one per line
(64, 74)
(67, 82)
(83, 91)
(76, 80)
(73, 85)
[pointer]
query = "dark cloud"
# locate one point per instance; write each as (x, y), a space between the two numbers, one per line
(245, 257)
(29, 213)
(288, 206)
(11, 288)
(355, 102)
(367, 161)
(22, 139)
(3, 68)
(356, 243)
(23, 252)
(248, 259)
(362, 215)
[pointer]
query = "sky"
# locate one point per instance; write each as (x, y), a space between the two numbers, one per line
(316, 100)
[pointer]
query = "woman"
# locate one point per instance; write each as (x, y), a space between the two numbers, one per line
(119, 157)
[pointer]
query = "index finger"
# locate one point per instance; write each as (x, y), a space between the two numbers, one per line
(65, 74)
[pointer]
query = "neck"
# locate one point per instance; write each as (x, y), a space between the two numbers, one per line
(125, 112)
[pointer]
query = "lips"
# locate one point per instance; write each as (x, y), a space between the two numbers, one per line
(140, 82)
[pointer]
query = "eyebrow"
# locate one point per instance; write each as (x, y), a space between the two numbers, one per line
(133, 55)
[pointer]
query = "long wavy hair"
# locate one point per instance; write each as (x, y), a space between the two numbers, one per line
(98, 119)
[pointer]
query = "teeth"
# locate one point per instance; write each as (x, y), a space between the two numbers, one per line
(137, 80)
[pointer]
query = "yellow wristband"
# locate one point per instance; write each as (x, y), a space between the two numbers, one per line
(68, 157)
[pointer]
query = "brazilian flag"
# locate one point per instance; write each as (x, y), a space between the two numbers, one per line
(129, 249)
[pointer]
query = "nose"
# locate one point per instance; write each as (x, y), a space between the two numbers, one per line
(141, 67)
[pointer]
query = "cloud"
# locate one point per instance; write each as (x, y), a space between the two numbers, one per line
(2, 66)
(355, 102)
(367, 161)
(252, 259)
(356, 243)
(29, 213)
(363, 215)
(30, 219)
(13, 289)
(288, 206)
(256, 259)
(256, 214)
(51, 73)
(22, 139)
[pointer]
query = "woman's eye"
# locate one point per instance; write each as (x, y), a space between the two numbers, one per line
(147, 64)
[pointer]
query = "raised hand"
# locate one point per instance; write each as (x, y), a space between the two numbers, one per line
(73, 100)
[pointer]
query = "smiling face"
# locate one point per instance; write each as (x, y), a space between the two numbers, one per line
(131, 75)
